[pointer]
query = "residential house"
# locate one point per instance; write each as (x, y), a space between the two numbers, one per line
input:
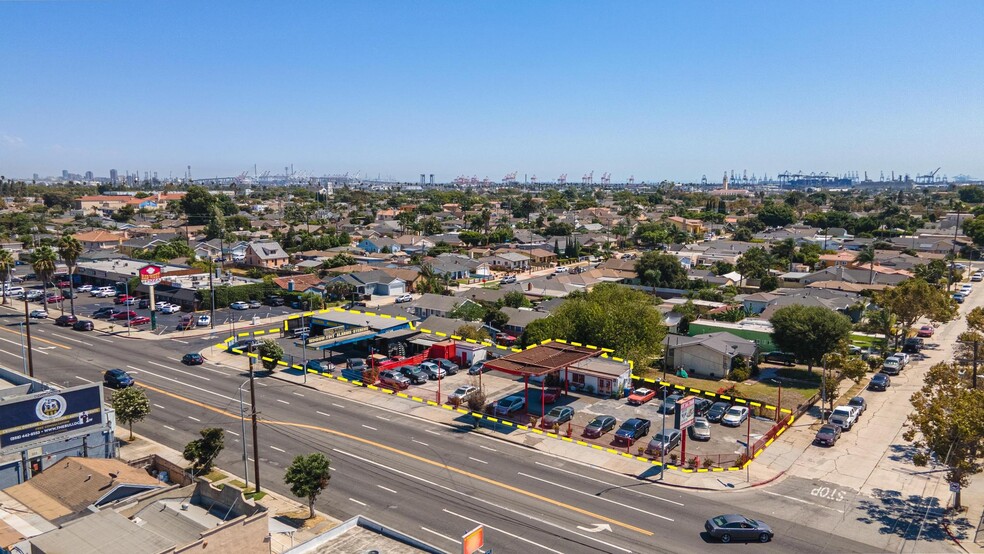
(880, 276)
(129, 247)
(300, 283)
(377, 245)
(413, 244)
(512, 261)
(842, 258)
(758, 302)
(520, 318)
(709, 355)
(101, 240)
(435, 304)
(268, 255)
(693, 226)
(375, 282)
(455, 266)
(525, 236)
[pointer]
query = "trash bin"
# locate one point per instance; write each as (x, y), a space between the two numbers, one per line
(256, 320)
(626, 392)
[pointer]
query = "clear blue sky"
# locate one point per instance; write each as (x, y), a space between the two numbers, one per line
(484, 88)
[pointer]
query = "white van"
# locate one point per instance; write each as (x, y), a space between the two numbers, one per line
(13, 291)
(103, 292)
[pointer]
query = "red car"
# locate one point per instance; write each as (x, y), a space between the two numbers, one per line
(125, 315)
(925, 331)
(139, 320)
(122, 299)
(63, 284)
(54, 298)
(641, 396)
(551, 395)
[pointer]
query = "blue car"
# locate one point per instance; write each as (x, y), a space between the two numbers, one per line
(632, 430)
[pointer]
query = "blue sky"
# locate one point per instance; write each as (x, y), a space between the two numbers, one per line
(484, 88)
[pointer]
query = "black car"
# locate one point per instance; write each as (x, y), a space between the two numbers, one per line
(193, 358)
(413, 373)
(913, 345)
(669, 405)
(105, 313)
(478, 367)
(880, 381)
(143, 304)
(717, 411)
(859, 403)
(83, 325)
(733, 526)
(66, 320)
(599, 426)
(448, 366)
(702, 406)
(784, 358)
(828, 434)
(632, 430)
(117, 379)
(275, 300)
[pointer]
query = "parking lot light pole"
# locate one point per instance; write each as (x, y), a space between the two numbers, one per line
(779, 403)
(126, 291)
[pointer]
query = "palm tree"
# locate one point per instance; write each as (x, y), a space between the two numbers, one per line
(867, 256)
(70, 248)
(6, 268)
(43, 262)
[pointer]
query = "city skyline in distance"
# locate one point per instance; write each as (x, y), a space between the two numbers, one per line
(654, 92)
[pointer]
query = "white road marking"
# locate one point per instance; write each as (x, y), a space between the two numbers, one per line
(194, 418)
(479, 499)
(104, 340)
(445, 537)
(188, 373)
(179, 340)
(357, 502)
(12, 354)
(324, 414)
(524, 539)
(66, 337)
(282, 401)
(613, 485)
(182, 383)
(571, 489)
(337, 405)
(383, 418)
(793, 498)
(386, 489)
(77, 377)
(232, 433)
(278, 449)
(477, 460)
(420, 443)
(432, 432)
(159, 407)
(297, 394)
(168, 427)
(372, 428)
(487, 448)
(262, 384)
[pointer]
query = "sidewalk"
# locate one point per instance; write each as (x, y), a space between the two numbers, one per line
(282, 509)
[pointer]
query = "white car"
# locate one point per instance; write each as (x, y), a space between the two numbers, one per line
(204, 320)
(103, 292)
(735, 416)
(404, 298)
(38, 314)
(14, 291)
(844, 416)
(239, 306)
(168, 308)
(561, 269)
(83, 288)
(977, 277)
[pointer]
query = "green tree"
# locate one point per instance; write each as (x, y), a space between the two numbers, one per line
(915, 299)
(197, 204)
(974, 228)
(7, 264)
(776, 215)
(70, 248)
(203, 451)
(123, 214)
(308, 477)
(656, 269)
(496, 319)
(934, 272)
(971, 195)
(131, 405)
(216, 226)
(610, 316)
(754, 263)
(809, 332)
(721, 267)
(472, 332)
(558, 229)
(270, 353)
(867, 255)
(516, 299)
(948, 422)
(468, 311)
(43, 262)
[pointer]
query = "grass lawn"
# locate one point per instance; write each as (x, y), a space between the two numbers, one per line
(793, 393)
(215, 475)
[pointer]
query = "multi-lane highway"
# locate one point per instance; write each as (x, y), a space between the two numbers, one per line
(426, 479)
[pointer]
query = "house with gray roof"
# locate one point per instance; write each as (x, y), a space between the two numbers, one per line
(375, 282)
(520, 318)
(436, 304)
(708, 355)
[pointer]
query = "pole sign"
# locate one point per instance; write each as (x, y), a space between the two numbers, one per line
(473, 540)
(150, 275)
(26, 421)
(685, 413)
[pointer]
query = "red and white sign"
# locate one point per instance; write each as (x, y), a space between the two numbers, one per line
(473, 540)
(150, 275)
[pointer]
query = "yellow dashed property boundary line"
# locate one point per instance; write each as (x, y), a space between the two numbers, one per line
(711, 394)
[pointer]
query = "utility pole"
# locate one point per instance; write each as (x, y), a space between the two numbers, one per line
(252, 409)
(30, 351)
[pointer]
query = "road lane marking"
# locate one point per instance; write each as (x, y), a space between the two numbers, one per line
(12, 354)
(194, 418)
(181, 341)
(46, 341)
(423, 460)
(383, 418)
(420, 443)
(371, 428)
(104, 340)
(72, 339)
(432, 432)
(79, 378)
(188, 373)
(609, 500)
(297, 394)
(232, 433)
(322, 413)
(262, 384)
(445, 537)
(282, 401)
(182, 383)
(793, 498)
(278, 449)
(159, 406)
(168, 427)
(477, 460)
(524, 539)
(613, 485)
(357, 502)
(337, 405)
(386, 489)
(487, 448)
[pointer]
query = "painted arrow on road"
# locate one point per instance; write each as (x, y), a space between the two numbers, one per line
(597, 527)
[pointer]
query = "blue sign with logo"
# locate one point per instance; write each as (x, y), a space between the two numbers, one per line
(30, 420)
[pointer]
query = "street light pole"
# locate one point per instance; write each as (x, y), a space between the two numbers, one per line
(662, 450)
(242, 419)
(252, 409)
(30, 351)
(126, 291)
(23, 350)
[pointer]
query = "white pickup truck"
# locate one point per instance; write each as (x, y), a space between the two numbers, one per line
(844, 416)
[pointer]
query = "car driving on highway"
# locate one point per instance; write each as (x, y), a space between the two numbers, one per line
(731, 527)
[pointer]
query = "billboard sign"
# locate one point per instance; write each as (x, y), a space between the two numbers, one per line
(150, 275)
(685, 413)
(26, 421)
(473, 540)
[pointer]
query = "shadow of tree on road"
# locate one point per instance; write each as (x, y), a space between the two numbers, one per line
(901, 453)
(910, 517)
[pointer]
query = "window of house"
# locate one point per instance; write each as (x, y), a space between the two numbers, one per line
(577, 378)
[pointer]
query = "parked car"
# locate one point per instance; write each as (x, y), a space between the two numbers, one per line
(129, 314)
(664, 441)
(83, 288)
(784, 358)
(186, 322)
(959, 297)
(66, 320)
(240, 305)
(462, 394)
(169, 309)
(38, 314)
(63, 284)
(404, 298)
(560, 269)
(204, 320)
(879, 381)
(505, 339)
(702, 406)
(735, 416)
(558, 415)
(632, 429)
(413, 373)
(358, 364)
(700, 430)
(69, 293)
(117, 379)
(53, 298)
(509, 405)
(139, 320)
(640, 396)
(105, 313)
(275, 300)
(255, 304)
(844, 416)
(729, 527)
(550, 395)
(83, 325)
(859, 403)
(668, 406)
(321, 366)
(123, 299)
(913, 345)
(433, 371)
(892, 365)
(828, 434)
(448, 366)
(508, 280)
(599, 426)
(245, 345)
(977, 277)
(193, 358)
(102, 292)
(717, 411)
(393, 379)
(478, 367)
(925, 331)
(13, 291)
